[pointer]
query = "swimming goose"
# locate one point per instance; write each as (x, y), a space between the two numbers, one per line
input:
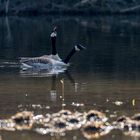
(50, 62)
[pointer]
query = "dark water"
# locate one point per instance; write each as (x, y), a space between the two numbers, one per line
(107, 72)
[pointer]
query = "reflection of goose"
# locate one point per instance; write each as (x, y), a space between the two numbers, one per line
(50, 62)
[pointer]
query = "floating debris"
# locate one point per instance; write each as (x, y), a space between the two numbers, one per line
(91, 130)
(118, 103)
(43, 131)
(93, 123)
(8, 125)
(36, 106)
(20, 121)
(62, 114)
(77, 104)
(129, 125)
(23, 120)
(96, 116)
(113, 115)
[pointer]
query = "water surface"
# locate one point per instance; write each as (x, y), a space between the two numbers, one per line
(108, 71)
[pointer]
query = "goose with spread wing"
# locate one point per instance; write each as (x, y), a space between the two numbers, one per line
(50, 62)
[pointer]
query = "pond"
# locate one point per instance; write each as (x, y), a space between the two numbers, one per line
(104, 77)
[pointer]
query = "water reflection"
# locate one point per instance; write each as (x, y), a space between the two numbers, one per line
(41, 72)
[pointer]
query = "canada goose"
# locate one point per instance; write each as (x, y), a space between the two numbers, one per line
(50, 62)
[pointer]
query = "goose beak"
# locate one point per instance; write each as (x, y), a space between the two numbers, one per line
(54, 29)
(80, 47)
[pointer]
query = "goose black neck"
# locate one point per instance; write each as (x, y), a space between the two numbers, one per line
(53, 40)
(69, 56)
